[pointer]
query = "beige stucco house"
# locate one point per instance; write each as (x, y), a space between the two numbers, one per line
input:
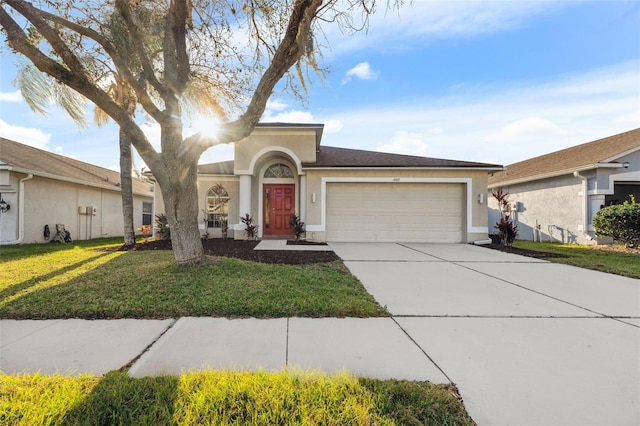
(42, 188)
(341, 194)
(555, 196)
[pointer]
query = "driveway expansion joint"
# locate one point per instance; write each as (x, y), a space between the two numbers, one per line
(531, 290)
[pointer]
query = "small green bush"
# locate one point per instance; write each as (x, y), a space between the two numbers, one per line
(621, 222)
(297, 225)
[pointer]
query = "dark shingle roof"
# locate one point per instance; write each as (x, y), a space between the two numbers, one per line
(580, 157)
(28, 159)
(342, 157)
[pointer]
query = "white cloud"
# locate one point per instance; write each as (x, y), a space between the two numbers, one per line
(26, 135)
(362, 71)
(526, 130)
(406, 143)
(275, 105)
(11, 97)
(291, 116)
(545, 117)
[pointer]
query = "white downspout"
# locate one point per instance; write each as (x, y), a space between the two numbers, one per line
(585, 206)
(20, 213)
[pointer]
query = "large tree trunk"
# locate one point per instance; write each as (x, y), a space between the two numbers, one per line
(126, 188)
(179, 185)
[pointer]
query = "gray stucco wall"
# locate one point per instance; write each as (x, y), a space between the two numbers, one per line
(560, 201)
(556, 205)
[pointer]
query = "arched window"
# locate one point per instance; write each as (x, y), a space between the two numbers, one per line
(217, 207)
(278, 170)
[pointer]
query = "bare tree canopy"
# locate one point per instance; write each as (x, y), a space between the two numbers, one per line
(221, 56)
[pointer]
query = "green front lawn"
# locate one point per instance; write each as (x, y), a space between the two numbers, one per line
(225, 398)
(616, 262)
(85, 281)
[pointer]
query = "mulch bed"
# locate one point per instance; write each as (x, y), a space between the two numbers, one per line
(524, 252)
(241, 249)
(244, 250)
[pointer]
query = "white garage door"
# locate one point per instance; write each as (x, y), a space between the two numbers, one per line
(395, 212)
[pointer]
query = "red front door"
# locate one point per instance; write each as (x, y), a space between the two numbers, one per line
(278, 206)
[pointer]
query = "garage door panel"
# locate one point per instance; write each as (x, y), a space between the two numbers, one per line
(387, 212)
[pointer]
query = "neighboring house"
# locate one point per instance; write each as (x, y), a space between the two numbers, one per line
(42, 188)
(562, 191)
(341, 194)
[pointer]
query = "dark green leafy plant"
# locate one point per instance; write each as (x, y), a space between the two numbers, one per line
(163, 225)
(621, 222)
(298, 226)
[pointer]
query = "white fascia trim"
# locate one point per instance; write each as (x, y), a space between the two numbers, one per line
(542, 176)
(76, 181)
(468, 182)
(609, 166)
(263, 151)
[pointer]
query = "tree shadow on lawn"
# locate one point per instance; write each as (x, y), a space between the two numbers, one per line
(120, 400)
(8, 293)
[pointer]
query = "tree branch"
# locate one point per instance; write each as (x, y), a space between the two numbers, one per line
(78, 81)
(176, 57)
(291, 49)
(136, 39)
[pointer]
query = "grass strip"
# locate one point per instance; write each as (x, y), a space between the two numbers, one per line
(588, 257)
(225, 398)
(49, 281)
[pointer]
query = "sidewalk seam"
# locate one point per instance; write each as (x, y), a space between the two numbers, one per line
(127, 367)
(286, 350)
(423, 351)
(53, 322)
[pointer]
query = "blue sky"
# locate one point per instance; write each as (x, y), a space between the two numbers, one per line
(496, 82)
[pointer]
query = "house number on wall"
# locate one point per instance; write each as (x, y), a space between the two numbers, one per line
(396, 179)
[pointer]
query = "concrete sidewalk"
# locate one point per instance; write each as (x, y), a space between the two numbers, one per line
(371, 347)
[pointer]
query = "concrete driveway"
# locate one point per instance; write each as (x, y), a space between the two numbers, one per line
(527, 342)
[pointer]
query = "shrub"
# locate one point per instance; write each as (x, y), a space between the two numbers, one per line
(250, 228)
(163, 225)
(621, 222)
(297, 225)
(507, 231)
